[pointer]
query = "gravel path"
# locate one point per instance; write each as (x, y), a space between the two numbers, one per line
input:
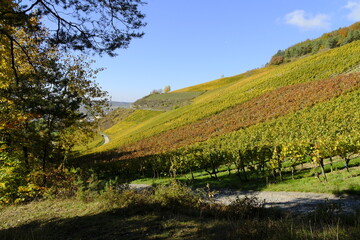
(139, 187)
(297, 202)
(292, 201)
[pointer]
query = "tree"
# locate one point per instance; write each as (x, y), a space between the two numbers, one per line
(318, 154)
(89, 25)
(345, 147)
(276, 161)
(42, 90)
(100, 26)
(40, 102)
(167, 89)
(332, 42)
(276, 60)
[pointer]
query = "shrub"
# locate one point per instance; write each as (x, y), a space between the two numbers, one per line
(176, 196)
(247, 207)
(15, 184)
(276, 60)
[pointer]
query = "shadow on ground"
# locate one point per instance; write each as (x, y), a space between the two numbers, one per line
(118, 224)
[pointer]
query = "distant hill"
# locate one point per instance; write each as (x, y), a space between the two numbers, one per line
(115, 104)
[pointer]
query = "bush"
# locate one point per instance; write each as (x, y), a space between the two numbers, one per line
(276, 60)
(15, 184)
(176, 196)
(247, 207)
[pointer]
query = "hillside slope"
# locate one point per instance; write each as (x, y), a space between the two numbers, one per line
(258, 128)
(313, 76)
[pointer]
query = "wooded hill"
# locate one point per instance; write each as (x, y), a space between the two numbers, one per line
(303, 110)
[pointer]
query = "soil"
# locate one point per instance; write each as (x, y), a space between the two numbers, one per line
(294, 201)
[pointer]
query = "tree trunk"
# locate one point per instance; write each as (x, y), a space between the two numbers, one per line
(26, 157)
(321, 163)
(44, 165)
(273, 173)
(244, 171)
(280, 172)
(215, 173)
(280, 175)
(229, 170)
(238, 173)
(331, 164)
(210, 173)
(317, 174)
(347, 160)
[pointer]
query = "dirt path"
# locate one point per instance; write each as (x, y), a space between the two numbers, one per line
(292, 201)
(106, 138)
(297, 202)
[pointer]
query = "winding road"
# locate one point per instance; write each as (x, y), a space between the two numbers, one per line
(106, 138)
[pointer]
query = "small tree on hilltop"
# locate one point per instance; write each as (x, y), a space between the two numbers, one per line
(167, 89)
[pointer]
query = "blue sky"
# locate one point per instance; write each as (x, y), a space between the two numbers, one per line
(188, 42)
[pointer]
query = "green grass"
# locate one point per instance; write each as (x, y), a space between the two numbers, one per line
(339, 181)
(165, 214)
(74, 219)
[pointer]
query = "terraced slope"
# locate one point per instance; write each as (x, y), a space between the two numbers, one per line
(336, 120)
(264, 108)
(241, 97)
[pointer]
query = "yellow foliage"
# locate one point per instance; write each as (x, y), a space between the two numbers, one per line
(242, 88)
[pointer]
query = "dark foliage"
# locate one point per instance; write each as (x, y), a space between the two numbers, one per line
(98, 26)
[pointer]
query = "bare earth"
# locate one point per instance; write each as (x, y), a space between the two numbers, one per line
(292, 201)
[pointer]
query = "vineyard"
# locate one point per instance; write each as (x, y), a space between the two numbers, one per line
(222, 82)
(319, 132)
(260, 109)
(324, 65)
(262, 124)
(127, 126)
